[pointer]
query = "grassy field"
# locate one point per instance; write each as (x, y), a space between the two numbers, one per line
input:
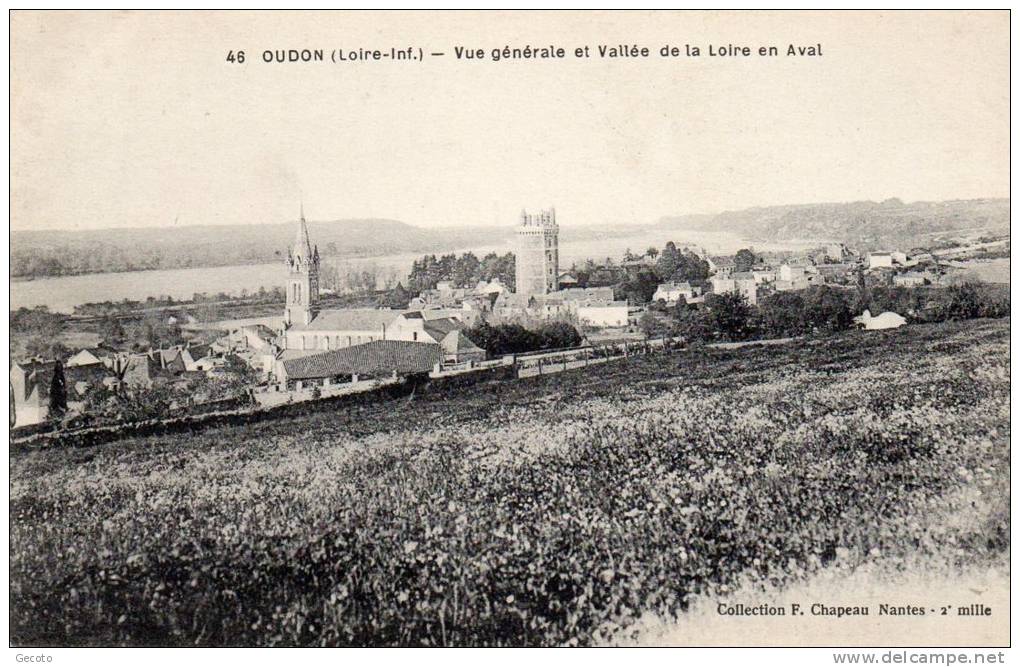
(547, 511)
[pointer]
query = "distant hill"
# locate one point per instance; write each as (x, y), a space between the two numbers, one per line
(867, 224)
(45, 253)
(53, 253)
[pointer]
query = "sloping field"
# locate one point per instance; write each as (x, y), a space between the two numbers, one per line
(552, 510)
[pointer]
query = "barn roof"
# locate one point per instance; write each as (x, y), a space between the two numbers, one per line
(375, 358)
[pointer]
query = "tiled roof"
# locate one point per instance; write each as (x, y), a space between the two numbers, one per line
(91, 373)
(261, 330)
(670, 285)
(597, 303)
(375, 358)
(351, 319)
(288, 354)
(429, 314)
(437, 329)
(199, 351)
(580, 293)
(512, 300)
(456, 342)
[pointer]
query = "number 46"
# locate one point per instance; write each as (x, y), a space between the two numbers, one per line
(235, 57)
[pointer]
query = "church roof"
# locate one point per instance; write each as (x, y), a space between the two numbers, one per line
(349, 319)
(380, 357)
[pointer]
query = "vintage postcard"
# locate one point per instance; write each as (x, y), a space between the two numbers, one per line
(511, 328)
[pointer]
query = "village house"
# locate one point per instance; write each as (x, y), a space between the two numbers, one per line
(144, 371)
(722, 284)
(84, 380)
(801, 283)
(417, 327)
(481, 303)
(494, 286)
(31, 384)
(763, 274)
(584, 294)
(603, 313)
(836, 253)
(511, 304)
(721, 266)
(254, 337)
(835, 272)
(746, 286)
(913, 279)
(742, 282)
(671, 292)
(93, 355)
(567, 280)
(795, 270)
(606, 276)
(880, 260)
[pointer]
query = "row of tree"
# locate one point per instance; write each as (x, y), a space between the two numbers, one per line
(465, 270)
(819, 309)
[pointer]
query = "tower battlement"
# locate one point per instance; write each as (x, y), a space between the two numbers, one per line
(544, 218)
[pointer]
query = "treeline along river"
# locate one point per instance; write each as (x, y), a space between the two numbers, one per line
(63, 293)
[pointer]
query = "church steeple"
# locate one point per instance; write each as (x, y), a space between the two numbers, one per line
(303, 277)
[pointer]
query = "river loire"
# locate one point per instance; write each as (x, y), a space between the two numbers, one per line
(62, 294)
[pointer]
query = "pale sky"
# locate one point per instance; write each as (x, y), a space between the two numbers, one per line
(135, 119)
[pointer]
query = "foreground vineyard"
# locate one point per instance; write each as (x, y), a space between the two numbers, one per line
(545, 511)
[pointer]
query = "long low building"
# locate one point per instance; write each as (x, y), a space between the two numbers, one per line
(604, 314)
(376, 359)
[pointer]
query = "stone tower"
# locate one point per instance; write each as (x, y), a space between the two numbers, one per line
(302, 278)
(538, 253)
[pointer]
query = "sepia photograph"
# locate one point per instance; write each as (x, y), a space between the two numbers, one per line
(513, 328)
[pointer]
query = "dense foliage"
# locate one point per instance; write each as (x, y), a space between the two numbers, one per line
(463, 271)
(820, 309)
(677, 265)
(550, 511)
(511, 338)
